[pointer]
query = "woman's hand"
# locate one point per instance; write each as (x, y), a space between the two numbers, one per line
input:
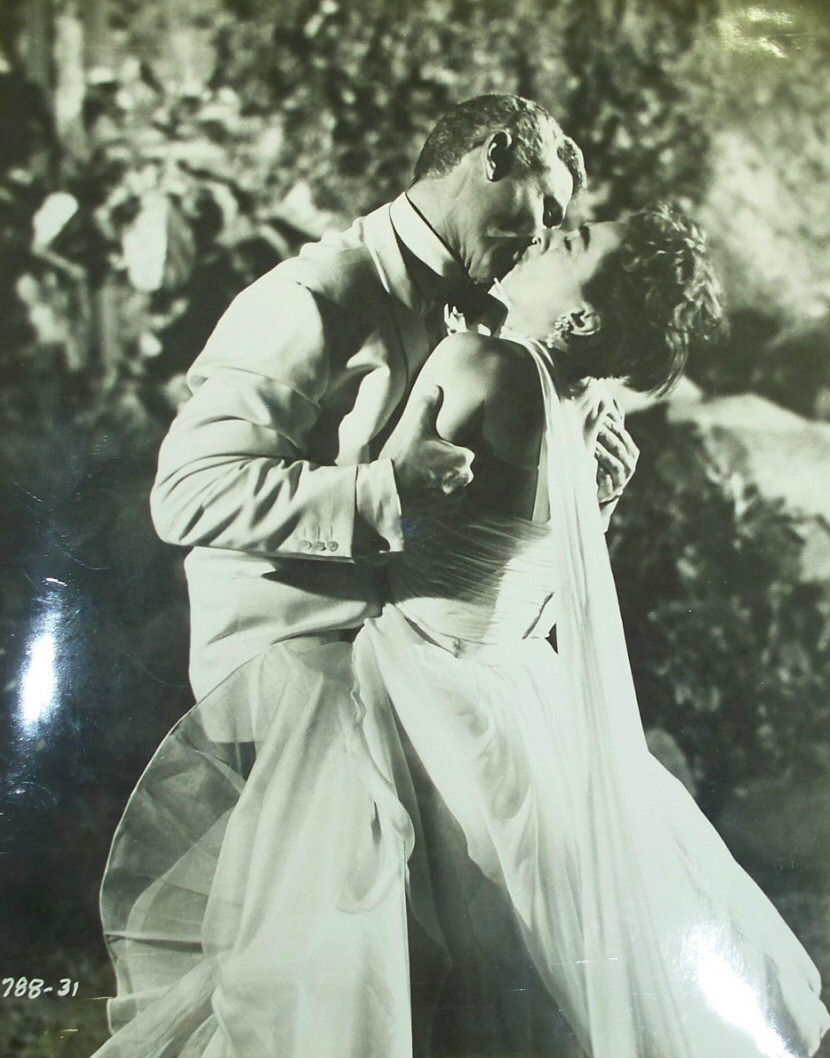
(607, 440)
(616, 454)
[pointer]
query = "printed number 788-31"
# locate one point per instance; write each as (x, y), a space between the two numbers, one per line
(35, 987)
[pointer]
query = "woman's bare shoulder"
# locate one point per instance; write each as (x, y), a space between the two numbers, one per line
(493, 364)
(494, 383)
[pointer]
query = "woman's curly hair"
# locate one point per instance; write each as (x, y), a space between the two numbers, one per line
(658, 298)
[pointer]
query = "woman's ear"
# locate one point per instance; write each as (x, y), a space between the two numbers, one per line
(499, 155)
(584, 321)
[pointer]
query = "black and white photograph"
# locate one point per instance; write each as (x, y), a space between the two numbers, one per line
(415, 475)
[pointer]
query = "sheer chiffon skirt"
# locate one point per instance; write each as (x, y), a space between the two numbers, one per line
(254, 902)
(255, 899)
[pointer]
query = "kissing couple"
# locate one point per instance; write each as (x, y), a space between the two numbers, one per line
(394, 473)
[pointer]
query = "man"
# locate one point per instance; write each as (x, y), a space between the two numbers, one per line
(268, 472)
(280, 900)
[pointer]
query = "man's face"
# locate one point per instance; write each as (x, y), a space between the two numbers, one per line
(511, 212)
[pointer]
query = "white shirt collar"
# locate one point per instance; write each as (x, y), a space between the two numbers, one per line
(425, 244)
(423, 241)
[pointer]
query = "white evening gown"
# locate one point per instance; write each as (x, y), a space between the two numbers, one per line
(255, 898)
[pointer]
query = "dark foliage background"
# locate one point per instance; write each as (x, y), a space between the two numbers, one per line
(156, 158)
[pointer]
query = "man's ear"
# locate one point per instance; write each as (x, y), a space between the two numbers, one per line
(584, 321)
(499, 155)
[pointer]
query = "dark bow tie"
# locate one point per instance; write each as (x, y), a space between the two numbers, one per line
(471, 302)
(473, 307)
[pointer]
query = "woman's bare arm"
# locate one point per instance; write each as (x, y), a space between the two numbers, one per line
(492, 404)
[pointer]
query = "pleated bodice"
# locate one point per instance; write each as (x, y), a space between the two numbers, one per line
(477, 576)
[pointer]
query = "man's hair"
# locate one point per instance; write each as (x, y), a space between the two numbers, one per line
(658, 298)
(469, 124)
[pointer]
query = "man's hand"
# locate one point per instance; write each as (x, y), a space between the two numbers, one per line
(427, 468)
(616, 455)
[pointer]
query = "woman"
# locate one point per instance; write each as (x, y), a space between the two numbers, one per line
(638, 922)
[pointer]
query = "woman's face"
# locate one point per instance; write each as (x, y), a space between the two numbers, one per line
(554, 274)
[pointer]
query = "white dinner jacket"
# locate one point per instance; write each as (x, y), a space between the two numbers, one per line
(268, 472)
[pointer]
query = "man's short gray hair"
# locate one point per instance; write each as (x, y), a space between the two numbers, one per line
(469, 124)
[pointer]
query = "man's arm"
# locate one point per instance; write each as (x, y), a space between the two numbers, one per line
(231, 470)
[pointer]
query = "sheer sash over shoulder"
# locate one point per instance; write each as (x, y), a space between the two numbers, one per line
(258, 888)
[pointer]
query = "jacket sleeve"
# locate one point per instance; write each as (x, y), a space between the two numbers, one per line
(231, 471)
